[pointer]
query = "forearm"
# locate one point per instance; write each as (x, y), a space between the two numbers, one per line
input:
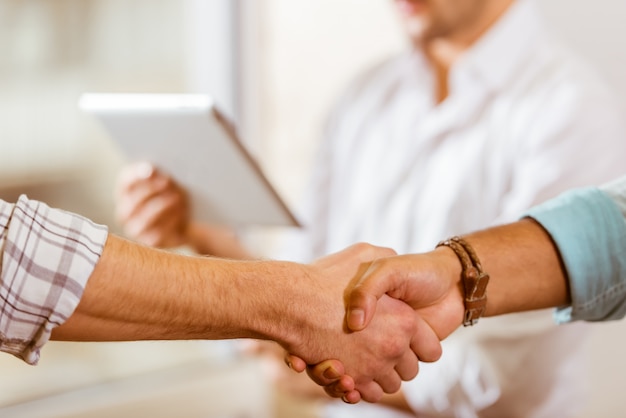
(137, 293)
(524, 266)
(589, 229)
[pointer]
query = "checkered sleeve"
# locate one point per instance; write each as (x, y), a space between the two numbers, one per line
(46, 257)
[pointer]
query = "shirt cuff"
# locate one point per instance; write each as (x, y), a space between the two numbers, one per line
(47, 257)
(589, 231)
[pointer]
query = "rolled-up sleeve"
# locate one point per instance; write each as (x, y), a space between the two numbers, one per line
(589, 230)
(47, 256)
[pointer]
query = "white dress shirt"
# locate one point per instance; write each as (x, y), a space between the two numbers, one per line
(524, 120)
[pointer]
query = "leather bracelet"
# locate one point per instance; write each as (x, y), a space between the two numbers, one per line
(474, 279)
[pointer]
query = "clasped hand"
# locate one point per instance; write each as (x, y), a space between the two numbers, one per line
(428, 284)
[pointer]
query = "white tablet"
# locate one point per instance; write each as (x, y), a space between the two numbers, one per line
(186, 136)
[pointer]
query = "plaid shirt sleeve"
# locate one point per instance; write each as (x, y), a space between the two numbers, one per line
(46, 257)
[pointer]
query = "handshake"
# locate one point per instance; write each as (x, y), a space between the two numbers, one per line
(392, 313)
(359, 320)
(399, 307)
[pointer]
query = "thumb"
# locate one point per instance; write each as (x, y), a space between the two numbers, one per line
(361, 309)
(295, 363)
(363, 296)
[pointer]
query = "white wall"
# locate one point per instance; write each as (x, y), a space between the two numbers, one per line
(597, 31)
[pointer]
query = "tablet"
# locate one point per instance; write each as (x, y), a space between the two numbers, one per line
(189, 138)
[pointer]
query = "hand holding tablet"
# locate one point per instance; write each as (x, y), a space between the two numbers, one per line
(187, 136)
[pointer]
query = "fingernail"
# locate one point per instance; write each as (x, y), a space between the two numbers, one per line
(345, 399)
(288, 363)
(144, 169)
(331, 373)
(356, 318)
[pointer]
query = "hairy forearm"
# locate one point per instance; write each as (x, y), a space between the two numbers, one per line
(524, 265)
(137, 293)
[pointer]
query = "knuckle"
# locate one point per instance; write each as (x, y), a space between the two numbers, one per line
(362, 247)
(395, 347)
(393, 386)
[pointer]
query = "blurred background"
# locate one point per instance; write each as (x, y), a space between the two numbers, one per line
(275, 67)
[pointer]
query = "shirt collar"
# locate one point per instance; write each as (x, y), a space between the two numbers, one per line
(497, 56)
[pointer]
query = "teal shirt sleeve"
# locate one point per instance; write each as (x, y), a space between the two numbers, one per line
(589, 229)
(617, 191)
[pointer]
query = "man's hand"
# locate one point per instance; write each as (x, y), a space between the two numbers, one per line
(429, 283)
(151, 207)
(377, 358)
(155, 210)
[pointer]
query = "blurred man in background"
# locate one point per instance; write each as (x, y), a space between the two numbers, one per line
(485, 116)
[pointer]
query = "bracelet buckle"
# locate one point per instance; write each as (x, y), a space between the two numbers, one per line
(474, 280)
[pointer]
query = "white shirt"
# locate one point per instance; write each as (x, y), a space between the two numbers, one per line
(524, 120)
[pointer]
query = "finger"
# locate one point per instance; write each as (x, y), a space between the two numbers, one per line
(390, 382)
(165, 213)
(138, 191)
(352, 397)
(133, 200)
(364, 294)
(133, 173)
(326, 372)
(333, 393)
(163, 234)
(158, 221)
(142, 226)
(408, 366)
(370, 391)
(341, 387)
(295, 363)
(129, 186)
(344, 385)
(425, 342)
(361, 310)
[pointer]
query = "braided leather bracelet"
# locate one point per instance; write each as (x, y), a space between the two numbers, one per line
(474, 279)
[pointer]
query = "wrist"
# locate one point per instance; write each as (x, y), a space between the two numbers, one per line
(276, 309)
(302, 311)
(451, 271)
(474, 279)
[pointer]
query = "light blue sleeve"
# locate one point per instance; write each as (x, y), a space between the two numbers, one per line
(617, 191)
(589, 228)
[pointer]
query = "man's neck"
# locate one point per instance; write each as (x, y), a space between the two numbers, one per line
(444, 51)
